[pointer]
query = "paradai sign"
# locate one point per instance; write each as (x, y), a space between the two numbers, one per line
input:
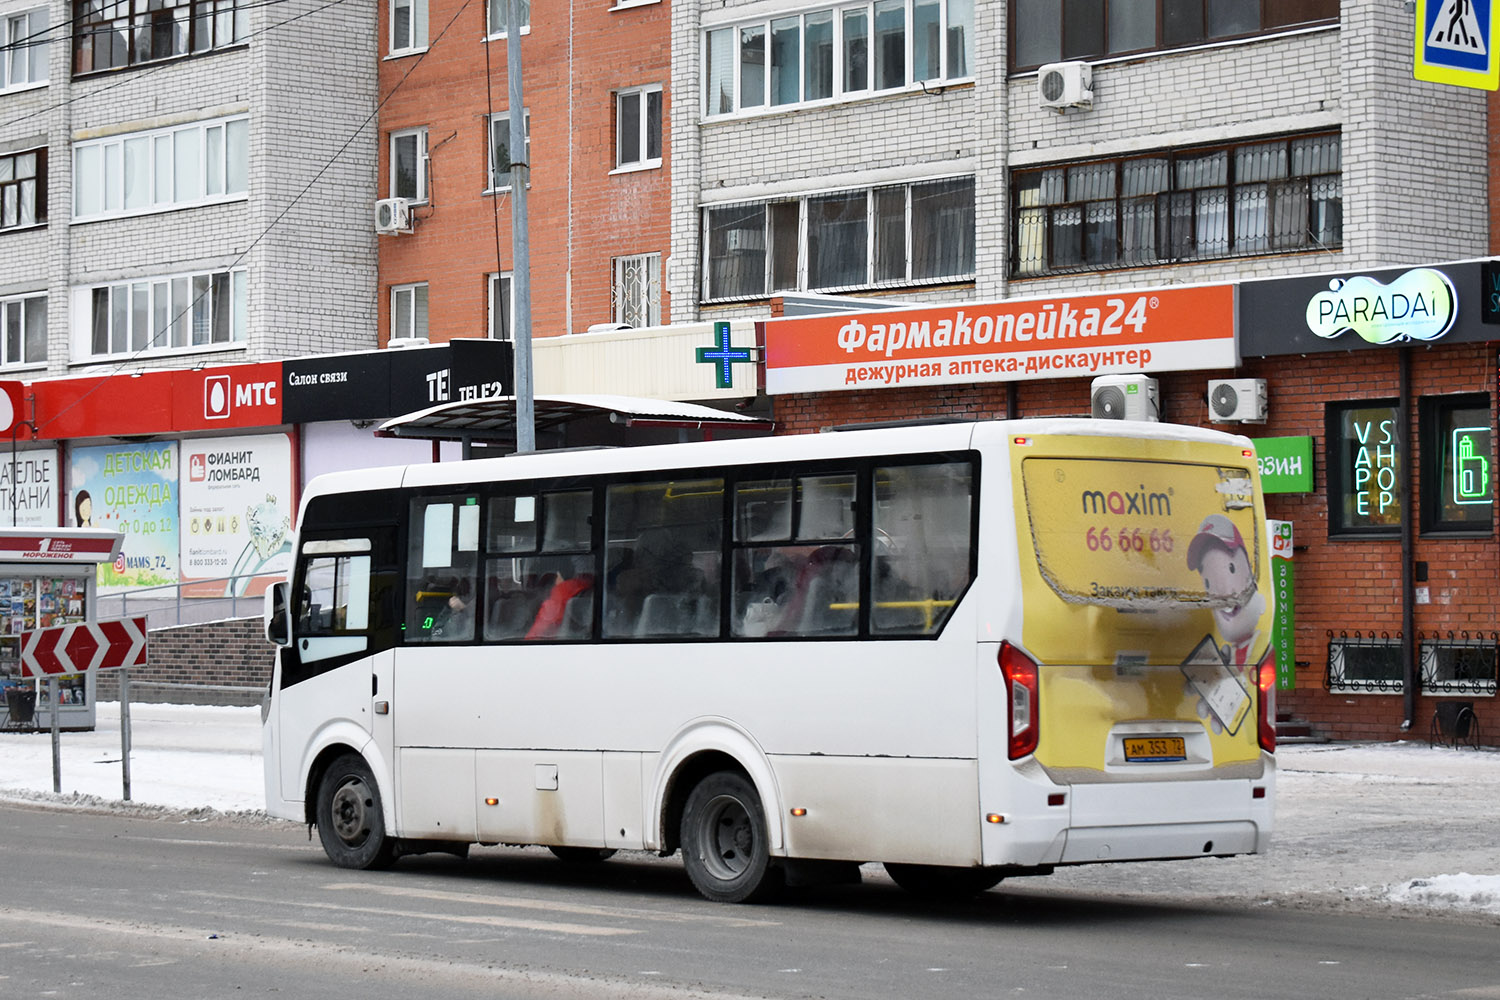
(1419, 305)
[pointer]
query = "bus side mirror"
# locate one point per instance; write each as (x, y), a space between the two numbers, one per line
(278, 614)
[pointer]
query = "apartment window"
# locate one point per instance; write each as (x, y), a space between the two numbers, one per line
(164, 168)
(1457, 464)
(409, 164)
(202, 309)
(1367, 664)
(24, 322)
(499, 151)
(23, 189)
(408, 311)
(1366, 456)
(408, 25)
(894, 235)
(1167, 206)
(110, 34)
(502, 324)
(1044, 31)
(638, 128)
(836, 53)
(636, 290)
(497, 17)
(23, 49)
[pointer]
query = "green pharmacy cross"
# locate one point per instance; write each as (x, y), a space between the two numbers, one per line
(723, 356)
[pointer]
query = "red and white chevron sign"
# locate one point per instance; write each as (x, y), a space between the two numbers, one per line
(74, 649)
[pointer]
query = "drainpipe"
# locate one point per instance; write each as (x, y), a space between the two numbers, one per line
(1408, 590)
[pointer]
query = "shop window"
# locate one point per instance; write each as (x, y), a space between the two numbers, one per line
(1459, 665)
(1369, 664)
(1365, 462)
(1457, 477)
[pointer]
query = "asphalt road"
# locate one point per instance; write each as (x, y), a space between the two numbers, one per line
(135, 908)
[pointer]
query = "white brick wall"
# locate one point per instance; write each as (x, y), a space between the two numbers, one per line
(1414, 154)
(307, 79)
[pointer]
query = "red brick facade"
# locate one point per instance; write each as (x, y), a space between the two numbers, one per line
(582, 215)
(1342, 585)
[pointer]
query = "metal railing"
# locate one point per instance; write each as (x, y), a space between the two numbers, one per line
(166, 606)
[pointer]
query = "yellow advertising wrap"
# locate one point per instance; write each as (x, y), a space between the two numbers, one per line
(1146, 591)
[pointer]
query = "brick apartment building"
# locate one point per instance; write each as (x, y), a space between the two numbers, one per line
(596, 96)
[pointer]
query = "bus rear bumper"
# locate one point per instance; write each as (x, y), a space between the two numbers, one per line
(1094, 844)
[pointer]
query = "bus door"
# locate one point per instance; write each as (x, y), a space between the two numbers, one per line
(342, 632)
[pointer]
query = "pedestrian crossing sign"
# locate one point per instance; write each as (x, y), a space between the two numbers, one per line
(1456, 43)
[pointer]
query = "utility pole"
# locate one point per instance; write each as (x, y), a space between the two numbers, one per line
(520, 282)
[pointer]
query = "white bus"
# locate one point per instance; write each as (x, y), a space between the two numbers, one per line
(965, 650)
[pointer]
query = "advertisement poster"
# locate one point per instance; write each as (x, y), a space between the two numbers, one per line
(237, 507)
(29, 488)
(130, 488)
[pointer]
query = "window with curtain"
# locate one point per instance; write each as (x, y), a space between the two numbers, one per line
(1255, 197)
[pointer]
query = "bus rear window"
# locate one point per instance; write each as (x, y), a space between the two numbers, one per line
(1143, 534)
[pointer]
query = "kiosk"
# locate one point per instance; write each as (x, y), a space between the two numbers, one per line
(48, 577)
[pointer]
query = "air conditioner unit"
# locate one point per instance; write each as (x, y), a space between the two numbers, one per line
(1065, 85)
(392, 215)
(1124, 397)
(396, 343)
(1241, 399)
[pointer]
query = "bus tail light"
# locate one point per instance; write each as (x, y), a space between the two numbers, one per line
(1265, 716)
(1021, 687)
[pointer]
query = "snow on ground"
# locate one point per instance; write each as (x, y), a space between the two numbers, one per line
(1397, 827)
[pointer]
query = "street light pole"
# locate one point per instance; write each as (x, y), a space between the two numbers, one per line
(520, 282)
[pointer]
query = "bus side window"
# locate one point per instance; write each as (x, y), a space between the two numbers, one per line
(663, 546)
(441, 569)
(922, 546)
(540, 567)
(796, 569)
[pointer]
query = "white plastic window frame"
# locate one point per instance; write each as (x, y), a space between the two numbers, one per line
(491, 177)
(641, 96)
(840, 96)
(107, 160)
(416, 28)
(648, 299)
(493, 283)
(16, 28)
(405, 298)
(419, 134)
(23, 304)
(495, 32)
(82, 313)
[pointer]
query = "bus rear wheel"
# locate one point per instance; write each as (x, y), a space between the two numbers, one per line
(725, 844)
(941, 881)
(351, 824)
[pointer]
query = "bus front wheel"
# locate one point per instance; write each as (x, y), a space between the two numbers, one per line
(351, 824)
(942, 882)
(725, 845)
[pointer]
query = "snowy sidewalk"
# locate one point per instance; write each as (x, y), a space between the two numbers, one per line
(1391, 826)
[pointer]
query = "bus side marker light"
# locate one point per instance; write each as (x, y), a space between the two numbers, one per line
(1057, 799)
(492, 802)
(1257, 793)
(799, 812)
(994, 818)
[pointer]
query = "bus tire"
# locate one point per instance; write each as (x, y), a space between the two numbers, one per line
(725, 845)
(942, 881)
(351, 824)
(582, 855)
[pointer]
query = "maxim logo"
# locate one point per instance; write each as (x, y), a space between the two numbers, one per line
(1137, 502)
